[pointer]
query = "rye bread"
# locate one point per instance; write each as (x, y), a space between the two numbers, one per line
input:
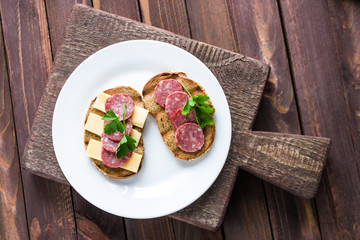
(115, 172)
(164, 123)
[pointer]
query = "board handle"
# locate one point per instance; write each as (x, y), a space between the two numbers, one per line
(291, 162)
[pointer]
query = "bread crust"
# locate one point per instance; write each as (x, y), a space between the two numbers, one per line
(107, 171)
(164, 123)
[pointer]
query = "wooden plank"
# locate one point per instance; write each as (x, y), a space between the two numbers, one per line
(345, 16)
(242, 217)
(94, 223)
(214, 26)
(125, 8)
(156, 228)
(58, 12)
(13, 223)
(324, 112)
(258, 30)
(170, 15)
(187, 231)
(49, 207)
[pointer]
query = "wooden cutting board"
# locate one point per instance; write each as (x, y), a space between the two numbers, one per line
(291, 162)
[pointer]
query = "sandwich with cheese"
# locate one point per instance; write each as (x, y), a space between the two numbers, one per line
(112, 132)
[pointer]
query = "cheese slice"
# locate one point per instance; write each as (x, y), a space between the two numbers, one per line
(135, 135)
(94, 151)
(139, 116)
(95, 124)
(100, 101)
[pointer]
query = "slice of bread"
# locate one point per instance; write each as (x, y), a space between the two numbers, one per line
(115, 172)
(164, 123)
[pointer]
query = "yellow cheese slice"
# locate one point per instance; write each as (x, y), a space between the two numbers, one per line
(139, 116)
(94, 151)
(136, 136)
(100, 101)
(95, 124)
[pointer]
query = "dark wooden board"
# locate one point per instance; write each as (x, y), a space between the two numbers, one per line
(259, 34)
(324, 91)
(11, 190)
(85, 35)
(49, 210)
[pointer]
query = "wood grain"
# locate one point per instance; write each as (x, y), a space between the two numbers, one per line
(325, 112)
(247, 215)
(297, 160)
(170, 15)
(84, 44)
(125, 8)
(13, 223)
(83, 39)
(48, 204)
(58, 12)
(187, 231)
(94, 223)
(258, 29)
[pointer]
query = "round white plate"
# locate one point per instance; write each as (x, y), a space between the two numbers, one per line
(165, 184)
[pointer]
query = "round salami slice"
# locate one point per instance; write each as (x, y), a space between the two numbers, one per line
(116, 103)
(178, 119)
(108, 144)
(164, 88)
(110, 159)
(117, 136)
(175, 101)
(189, 137)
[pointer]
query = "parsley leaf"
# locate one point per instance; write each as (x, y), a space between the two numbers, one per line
(126, 144)
(114, 125)
(203, 111)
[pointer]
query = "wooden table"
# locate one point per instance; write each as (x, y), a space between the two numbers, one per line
(313, 48)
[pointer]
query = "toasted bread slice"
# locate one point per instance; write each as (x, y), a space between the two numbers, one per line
(164, 123)
(115, 172)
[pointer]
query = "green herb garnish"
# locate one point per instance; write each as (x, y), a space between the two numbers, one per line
(127, 143)
(203, 111)
(114, 125)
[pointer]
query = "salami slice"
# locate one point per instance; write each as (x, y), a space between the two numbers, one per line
(178, 119)
(164, 88)
(175, 101)
(117, 136)
(110, 159)
(116, 103)
(108, 144)
(189, 137)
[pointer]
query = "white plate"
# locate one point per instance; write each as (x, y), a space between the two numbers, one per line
(165, 184)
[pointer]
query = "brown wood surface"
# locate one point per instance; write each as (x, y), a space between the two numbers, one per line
(258, 23)
(12, 207)
(325, 114)
(48, 204)
(116, 35)
(249, 76)
(308, 31)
